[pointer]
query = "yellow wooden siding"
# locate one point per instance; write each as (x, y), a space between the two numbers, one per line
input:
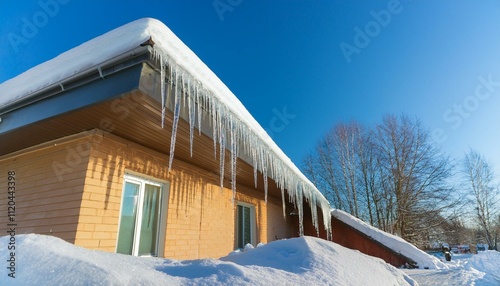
(82, 204)
(49, 184)
(200, 216)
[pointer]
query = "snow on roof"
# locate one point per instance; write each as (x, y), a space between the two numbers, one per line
(201, 85)
(393, 242)
(48, 260)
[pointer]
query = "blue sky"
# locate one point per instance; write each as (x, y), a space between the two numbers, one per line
(301, 66)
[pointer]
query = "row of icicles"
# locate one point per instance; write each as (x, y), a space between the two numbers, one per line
(187, 92)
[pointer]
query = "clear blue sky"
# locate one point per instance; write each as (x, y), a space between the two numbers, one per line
(301, 66)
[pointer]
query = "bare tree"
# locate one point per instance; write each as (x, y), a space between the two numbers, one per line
(340, 167)
(416, 173)
(346, 139)
(391, 176)
(454, 231)
(323, 180)
(321, 168)
(374, 200)
(484, 195)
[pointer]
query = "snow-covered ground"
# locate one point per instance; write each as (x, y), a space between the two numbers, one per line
(464, 269)
(482, 269)
(46, 260)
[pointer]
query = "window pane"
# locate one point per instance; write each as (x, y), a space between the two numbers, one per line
(247, 234)
(244, 220)
(128, 218)
(240, 227)
(149, 221)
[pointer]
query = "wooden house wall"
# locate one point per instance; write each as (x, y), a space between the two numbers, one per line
(200, 215)
(49, 181)
(71, 188)
(349, 237)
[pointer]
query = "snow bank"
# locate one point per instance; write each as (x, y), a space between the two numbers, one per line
(313, 261)
(393, 242)
(464, 270)
(46, 260)
(192, 80)
(487, 262)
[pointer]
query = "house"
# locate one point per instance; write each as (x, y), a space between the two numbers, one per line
(128, 143)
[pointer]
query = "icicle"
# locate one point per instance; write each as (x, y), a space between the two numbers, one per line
(169, 86)
(199, 106)
(163, 103)
(327, 220)
(255, 176)
(265, 189)
(254, 163)
(185, 89)
(234, 159)
(177, 107)
(264, 164)
(215, 122)
(314, 210)
(283, 202)
(222, 146)
(299, 204)
(265, 183)
(191, 123)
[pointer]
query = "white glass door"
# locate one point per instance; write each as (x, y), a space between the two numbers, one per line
(140, 217)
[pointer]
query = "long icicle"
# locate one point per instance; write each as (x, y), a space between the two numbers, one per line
(191, 112)
(177, 108)
(199, 105)
(222, 146)
(215, 122)
(283, 201)
(163, 99)
(234, 158)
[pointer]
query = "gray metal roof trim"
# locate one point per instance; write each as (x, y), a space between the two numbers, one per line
(99, 71)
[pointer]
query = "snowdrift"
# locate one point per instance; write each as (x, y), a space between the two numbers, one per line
(487, 262)
(464, 270)
(393, 242)
(46, 260)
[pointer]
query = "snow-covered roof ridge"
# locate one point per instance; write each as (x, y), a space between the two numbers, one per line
(83, 57)
(202, 86)
(393, 242)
